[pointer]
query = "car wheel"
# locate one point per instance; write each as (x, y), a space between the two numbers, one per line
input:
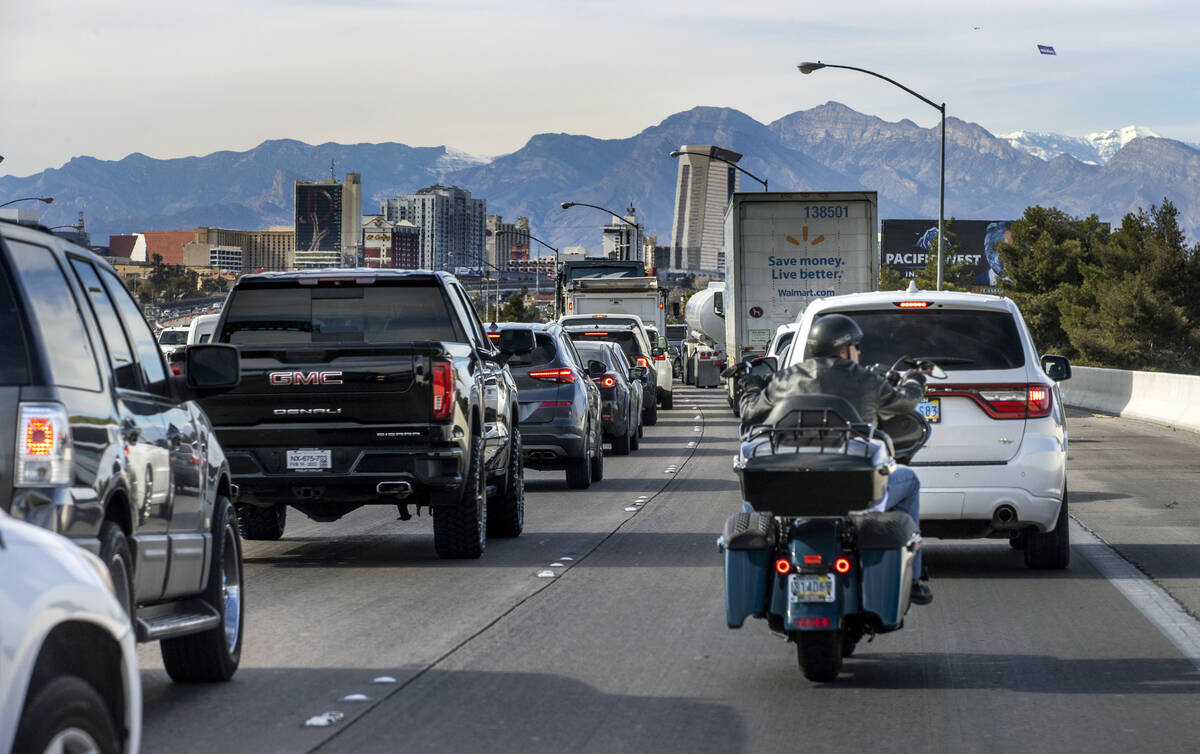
(262, 523)
(579, 470)
(114, 551)
(460, 531)
(1051, 551)
(213, 655)
(820, 654)
(621, 445)
(650, 416)
(668, 401)
(506, 517)
(66, 715)
(598, 457)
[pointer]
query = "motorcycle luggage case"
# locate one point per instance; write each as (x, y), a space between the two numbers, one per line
(887, 562)
(812, 484)
(748, 538)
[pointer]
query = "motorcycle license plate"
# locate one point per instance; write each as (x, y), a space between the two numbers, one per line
(302, 460)
(806, 587)
(931, 409)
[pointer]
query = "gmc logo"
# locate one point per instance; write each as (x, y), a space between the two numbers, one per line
(304, 378)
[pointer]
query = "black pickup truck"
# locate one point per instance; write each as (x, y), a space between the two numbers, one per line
(363, 387)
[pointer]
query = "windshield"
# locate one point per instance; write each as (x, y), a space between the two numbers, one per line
(173, 337)
(623, 338)
(966, 339)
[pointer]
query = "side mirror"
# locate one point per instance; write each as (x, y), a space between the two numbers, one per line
(596, 368)
(637, 373)
(516, 340)
(212, 368)
(662, 342)
(655, 353)
(672, 351)
(1057, 368)
(764, 366)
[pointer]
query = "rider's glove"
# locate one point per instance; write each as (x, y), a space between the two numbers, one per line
(916, 375)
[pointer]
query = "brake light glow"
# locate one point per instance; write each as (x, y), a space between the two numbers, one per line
(783, 566)
(493, 336)
(563, 375)
(842, 565)
(608, 381)
(597, 334)
(44, 448)
(660, 357)
(555, 404)
(812, 560)
(811, 622)
(642, 361)
(914, 304)
(660, 305)
(443, 389)
(1002, 401)
(570, 306)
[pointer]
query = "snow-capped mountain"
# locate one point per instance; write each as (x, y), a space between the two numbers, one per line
(456, 159)
(1093, 149)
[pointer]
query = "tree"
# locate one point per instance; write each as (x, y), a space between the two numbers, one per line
(515, 310)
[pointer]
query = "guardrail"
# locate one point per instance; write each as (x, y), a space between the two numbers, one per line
(1163, 398)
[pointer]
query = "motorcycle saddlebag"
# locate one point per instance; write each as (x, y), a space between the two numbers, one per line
(811, 484)
(748, 538)
(887, 562)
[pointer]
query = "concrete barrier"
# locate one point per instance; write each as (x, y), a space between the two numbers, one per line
(1171, 399)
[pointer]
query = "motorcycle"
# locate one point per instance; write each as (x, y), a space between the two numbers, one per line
(814, 552)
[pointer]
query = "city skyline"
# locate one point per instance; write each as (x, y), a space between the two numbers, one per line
(83, 88)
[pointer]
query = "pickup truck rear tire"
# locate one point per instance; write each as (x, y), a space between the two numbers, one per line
(650, 416)
(668, 401)
(460, 531)
(262, 523)
(506, 516)
(214, 655)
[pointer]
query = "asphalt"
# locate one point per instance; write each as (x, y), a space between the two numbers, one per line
(626, 648)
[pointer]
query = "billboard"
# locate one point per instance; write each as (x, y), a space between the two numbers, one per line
(318, 217)
(908, 245)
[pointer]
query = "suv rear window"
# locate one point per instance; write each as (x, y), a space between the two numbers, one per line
(966, 338)
(542, 353)
(623, 338)
(329, 314)
(173, 338)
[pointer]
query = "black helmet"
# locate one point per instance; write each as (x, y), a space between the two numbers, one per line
(831, 333)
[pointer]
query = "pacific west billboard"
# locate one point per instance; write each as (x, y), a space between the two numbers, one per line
(318, 217)
(908, 245)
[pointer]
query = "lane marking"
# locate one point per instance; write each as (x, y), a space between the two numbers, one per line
(325, 719)
(355, 698)
(384, 679)
(1150, 599)
(631, 508)
(547, 574)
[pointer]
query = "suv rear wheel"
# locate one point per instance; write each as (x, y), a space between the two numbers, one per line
(598, 458)
(460, 531)
(650, 416)
(262, 523)
(579, 470)
(1051, 551)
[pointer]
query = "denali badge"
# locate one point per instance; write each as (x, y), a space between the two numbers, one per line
(304, 378)
(307, 411)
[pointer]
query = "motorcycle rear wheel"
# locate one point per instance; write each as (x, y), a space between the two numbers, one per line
(820, 654)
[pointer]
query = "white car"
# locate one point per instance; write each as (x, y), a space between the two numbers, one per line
(69, 677)
(172, 338)
(202, 328)
(663, 368)
(996, 461)
(782, 340)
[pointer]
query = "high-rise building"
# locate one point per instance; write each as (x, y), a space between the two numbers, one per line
(270, 249)
(328, 222)
(504, 240)
(703, 187)
(451, 223)
(623, 240)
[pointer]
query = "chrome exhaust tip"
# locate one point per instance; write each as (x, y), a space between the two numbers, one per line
(400, 489)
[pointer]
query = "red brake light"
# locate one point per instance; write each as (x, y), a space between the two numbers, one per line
(570, 306)
(39, 437)
(842, 565)
(783, 566)
(914, 304)
(608, 381)
(642, 361)
(598, 334)
(493, 336)
(1002, 401)
(812, 560)
(565, 374)
(443, 389)
(660, 305)
(660, 357)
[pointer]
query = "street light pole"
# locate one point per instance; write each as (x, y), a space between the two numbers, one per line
(763, 181)
(557, 259)
(636, 227)
(807, 68)
(46, 199)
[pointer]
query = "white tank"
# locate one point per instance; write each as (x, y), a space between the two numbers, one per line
(701, 315)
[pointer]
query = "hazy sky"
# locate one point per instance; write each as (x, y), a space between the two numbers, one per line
(171, 79)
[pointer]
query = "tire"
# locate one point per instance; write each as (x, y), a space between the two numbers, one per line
(460, 531)
(506, 516)
(820, 654)
(598, 458)
(668, 401)
(66, 714)
(579, 470)
(114, 551)
(214, 655)
(650, 416)
(621, 445)
(1051, 551)
(262, 523)
(849, 644)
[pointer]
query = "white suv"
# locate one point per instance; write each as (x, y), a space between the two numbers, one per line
(996, 461)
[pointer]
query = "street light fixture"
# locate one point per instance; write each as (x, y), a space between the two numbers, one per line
(637, 228)
(46, 199)
(807, 68)
(763, 181)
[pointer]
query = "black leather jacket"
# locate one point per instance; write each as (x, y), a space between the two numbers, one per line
(867, 390)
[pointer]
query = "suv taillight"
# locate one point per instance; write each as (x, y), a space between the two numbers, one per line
(565, 375)
(44, 452)
(1002, 401)
(642, 361)
(443, 389)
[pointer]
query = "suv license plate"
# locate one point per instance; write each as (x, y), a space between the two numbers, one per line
(298, 460)
(931, 409)
(805, 587)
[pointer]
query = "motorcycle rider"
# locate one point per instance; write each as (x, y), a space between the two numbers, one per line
(832, 367)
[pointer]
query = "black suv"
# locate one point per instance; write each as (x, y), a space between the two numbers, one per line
(108, 449)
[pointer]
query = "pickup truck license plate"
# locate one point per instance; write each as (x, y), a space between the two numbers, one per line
(806, 587)
(931, 409)
(298, 460)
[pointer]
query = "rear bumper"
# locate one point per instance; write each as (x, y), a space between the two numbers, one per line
(551, 449)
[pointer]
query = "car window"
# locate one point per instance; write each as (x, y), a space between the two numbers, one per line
(623, 338)
(569, 345)
(785, 340)
(120, 355)
(14, 358)
(595, 352)
(149, 357)
(972, 338)
(543, 353)
(67, 346)
(469, 315)
(327, 314)
(173, 338)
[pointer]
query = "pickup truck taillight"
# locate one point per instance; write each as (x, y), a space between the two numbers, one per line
(1001, 401)
(565, 375)
(443, 389)
(44, 450)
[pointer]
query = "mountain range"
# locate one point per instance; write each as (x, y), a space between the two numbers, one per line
(829, 147)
